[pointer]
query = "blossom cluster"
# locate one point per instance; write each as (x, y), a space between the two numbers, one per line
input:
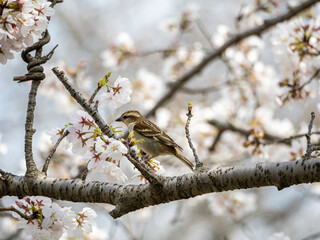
(44, 219)
(296, 46)
(105, 157)
(103, 154)
(116, 95)
(21, 23)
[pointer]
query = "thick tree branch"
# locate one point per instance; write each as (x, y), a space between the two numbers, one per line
(128, 198)
(233, 40)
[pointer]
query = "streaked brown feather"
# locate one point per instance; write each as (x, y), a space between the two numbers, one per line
(149, 129)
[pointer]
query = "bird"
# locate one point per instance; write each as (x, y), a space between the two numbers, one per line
(154, 141)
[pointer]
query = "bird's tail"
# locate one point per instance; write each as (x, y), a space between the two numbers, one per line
(184, 160)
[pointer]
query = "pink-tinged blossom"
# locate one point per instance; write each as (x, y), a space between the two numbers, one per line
(82, 132)
(296, 46)
(116, 149)
(22, 23)
(50, 220)
(82, 222)
(104, 161)
(117, 95)
(42, 7)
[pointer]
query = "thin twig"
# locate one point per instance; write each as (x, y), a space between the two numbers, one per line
(189, 115)
(271, 139)
(53, 150)
(290, 139)
(93, 112)
(310, 148)
(54, 2)
(153, 178)
(216, 140)
(204, 32)
(311, 79)
(13, 209)
(85, 173)
(94, 93)
(218, 52)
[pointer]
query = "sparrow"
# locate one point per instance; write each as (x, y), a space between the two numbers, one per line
(154, 141)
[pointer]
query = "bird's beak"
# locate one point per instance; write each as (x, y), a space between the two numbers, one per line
(119, 119)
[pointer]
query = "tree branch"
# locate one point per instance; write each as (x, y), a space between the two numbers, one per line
(13, 209)
(271, 139)
(53, 150)
(128, 198)
(95, 93)
(218, 52)
(93, 112)
(35, 73)
(225, 126)
(151, 176)
(316, 73)
(189, 115)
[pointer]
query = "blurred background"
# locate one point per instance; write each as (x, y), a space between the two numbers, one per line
(147, 42)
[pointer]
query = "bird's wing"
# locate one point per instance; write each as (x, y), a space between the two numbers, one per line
(148, 129)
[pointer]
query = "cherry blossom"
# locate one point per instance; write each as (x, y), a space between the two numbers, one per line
(117, 95)
(22, 23)
(49, 220)
(82, 222)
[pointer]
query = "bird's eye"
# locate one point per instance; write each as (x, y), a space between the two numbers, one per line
(125, 117)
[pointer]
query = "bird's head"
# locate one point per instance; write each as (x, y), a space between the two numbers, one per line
(130, 117)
